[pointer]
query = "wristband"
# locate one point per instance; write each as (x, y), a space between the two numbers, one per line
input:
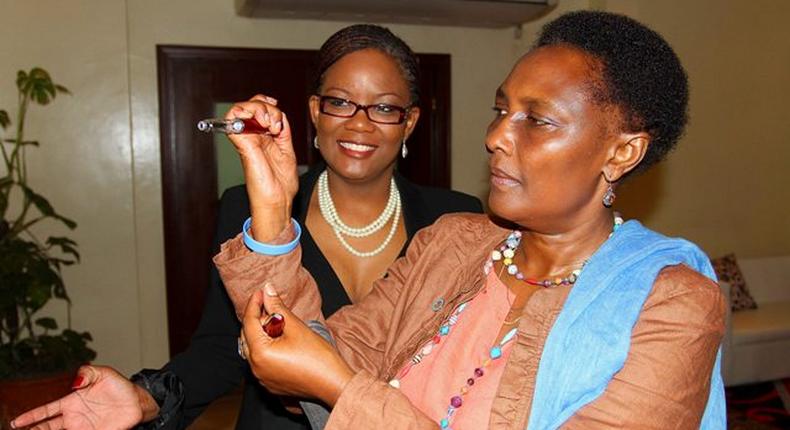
(267, 249)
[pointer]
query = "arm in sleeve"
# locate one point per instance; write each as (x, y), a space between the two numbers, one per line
(367, 402)
(361, 330)
(665, 381)
(243, 272)
(210, 367)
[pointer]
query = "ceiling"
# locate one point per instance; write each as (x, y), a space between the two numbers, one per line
(463, 13)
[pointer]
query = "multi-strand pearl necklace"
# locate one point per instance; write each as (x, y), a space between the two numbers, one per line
(390, 212)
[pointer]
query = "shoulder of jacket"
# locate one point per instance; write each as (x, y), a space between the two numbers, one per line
(464, 226)
(681, 280)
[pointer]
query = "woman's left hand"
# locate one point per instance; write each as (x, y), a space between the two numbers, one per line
(298, 363)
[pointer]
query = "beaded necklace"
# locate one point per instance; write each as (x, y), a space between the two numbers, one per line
(507, 251)
(455, 401)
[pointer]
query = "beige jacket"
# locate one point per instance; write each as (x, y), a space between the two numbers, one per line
(664, 383)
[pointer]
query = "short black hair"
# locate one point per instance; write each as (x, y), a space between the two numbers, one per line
(367, 36)
(642, 75)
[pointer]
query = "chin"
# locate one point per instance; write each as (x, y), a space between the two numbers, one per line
(504, 206)
(355, 170)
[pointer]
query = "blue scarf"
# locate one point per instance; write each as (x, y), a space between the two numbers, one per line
(589, 341)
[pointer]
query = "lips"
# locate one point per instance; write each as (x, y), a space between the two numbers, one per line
(502, 178)
(355, 146)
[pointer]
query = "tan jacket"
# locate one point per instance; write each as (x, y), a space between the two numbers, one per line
(663, 384)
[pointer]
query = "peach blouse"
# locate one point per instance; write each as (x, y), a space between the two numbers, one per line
(431, 383)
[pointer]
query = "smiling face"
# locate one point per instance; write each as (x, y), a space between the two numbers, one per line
(357, 148)
(550, 141)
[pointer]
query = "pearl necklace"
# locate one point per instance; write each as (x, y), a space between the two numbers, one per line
(328, 211)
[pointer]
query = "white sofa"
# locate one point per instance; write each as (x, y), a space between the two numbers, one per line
(757, 342)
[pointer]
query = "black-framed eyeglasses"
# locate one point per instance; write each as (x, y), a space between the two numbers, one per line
(381, 113)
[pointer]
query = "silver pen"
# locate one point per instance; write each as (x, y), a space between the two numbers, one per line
(230, 126)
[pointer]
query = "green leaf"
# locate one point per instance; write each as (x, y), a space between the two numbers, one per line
(61, 89)
(47, 323)
(5, 120)
(24, 142)
(59, 291)
(21, 81)
(68, 222)
(39, 201)
(41, 88)
(67, 246)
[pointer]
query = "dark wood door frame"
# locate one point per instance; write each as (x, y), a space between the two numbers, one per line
(191, 80)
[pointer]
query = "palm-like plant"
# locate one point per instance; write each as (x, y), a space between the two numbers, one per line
(30, 268)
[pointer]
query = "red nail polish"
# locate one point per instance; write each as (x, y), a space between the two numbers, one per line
(77, 382)
(274, 327)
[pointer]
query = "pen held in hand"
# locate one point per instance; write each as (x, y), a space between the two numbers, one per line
(230, 126)
(274, 325)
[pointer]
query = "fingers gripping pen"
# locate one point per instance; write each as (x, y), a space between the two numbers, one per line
(274, 325)
(230, 126)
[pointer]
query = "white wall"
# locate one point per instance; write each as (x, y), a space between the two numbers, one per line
(99, 161)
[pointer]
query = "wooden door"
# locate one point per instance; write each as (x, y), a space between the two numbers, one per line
(192, 80)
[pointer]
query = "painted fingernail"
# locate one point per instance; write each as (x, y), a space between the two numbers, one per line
(266, 117)
(274, 327)
(77, 382)
(13, 426)
(270, 291)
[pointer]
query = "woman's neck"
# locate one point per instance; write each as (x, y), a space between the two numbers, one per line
(554, 254)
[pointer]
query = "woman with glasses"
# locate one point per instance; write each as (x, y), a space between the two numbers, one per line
(357, 213)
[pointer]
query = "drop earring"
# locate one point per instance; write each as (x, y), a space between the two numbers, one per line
(404, 151)
(315, 142)
(609, 195)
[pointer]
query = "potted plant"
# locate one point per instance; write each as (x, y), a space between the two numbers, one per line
(32, 350)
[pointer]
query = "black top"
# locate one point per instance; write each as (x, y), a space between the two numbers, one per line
(211, 366)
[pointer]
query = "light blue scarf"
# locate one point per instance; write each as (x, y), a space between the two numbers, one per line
(589, 341)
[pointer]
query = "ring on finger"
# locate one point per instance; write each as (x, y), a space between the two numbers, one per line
(240, 345)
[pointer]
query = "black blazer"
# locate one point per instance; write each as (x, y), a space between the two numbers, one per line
(211, 366)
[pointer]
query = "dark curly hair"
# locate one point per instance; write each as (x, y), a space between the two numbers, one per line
(641, 74)
(366, 36)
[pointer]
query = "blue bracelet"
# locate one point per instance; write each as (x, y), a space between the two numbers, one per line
(265, 248)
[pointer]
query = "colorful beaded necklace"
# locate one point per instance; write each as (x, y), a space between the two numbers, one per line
(455, 401)
(507, 251)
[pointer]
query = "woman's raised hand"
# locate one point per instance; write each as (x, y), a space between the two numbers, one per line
(298, 363)
(269, 164)
(102, 399)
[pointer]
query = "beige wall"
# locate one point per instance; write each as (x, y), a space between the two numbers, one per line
(100, 160)
(726, 187)
(84, 165)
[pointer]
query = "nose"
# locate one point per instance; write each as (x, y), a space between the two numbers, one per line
(360, 121)
(499, 136)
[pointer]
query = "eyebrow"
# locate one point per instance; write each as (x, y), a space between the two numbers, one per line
(374, 96)
(531, 101)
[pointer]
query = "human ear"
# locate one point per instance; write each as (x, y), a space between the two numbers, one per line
(411, 121)
(625, 155)
(314, 105)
